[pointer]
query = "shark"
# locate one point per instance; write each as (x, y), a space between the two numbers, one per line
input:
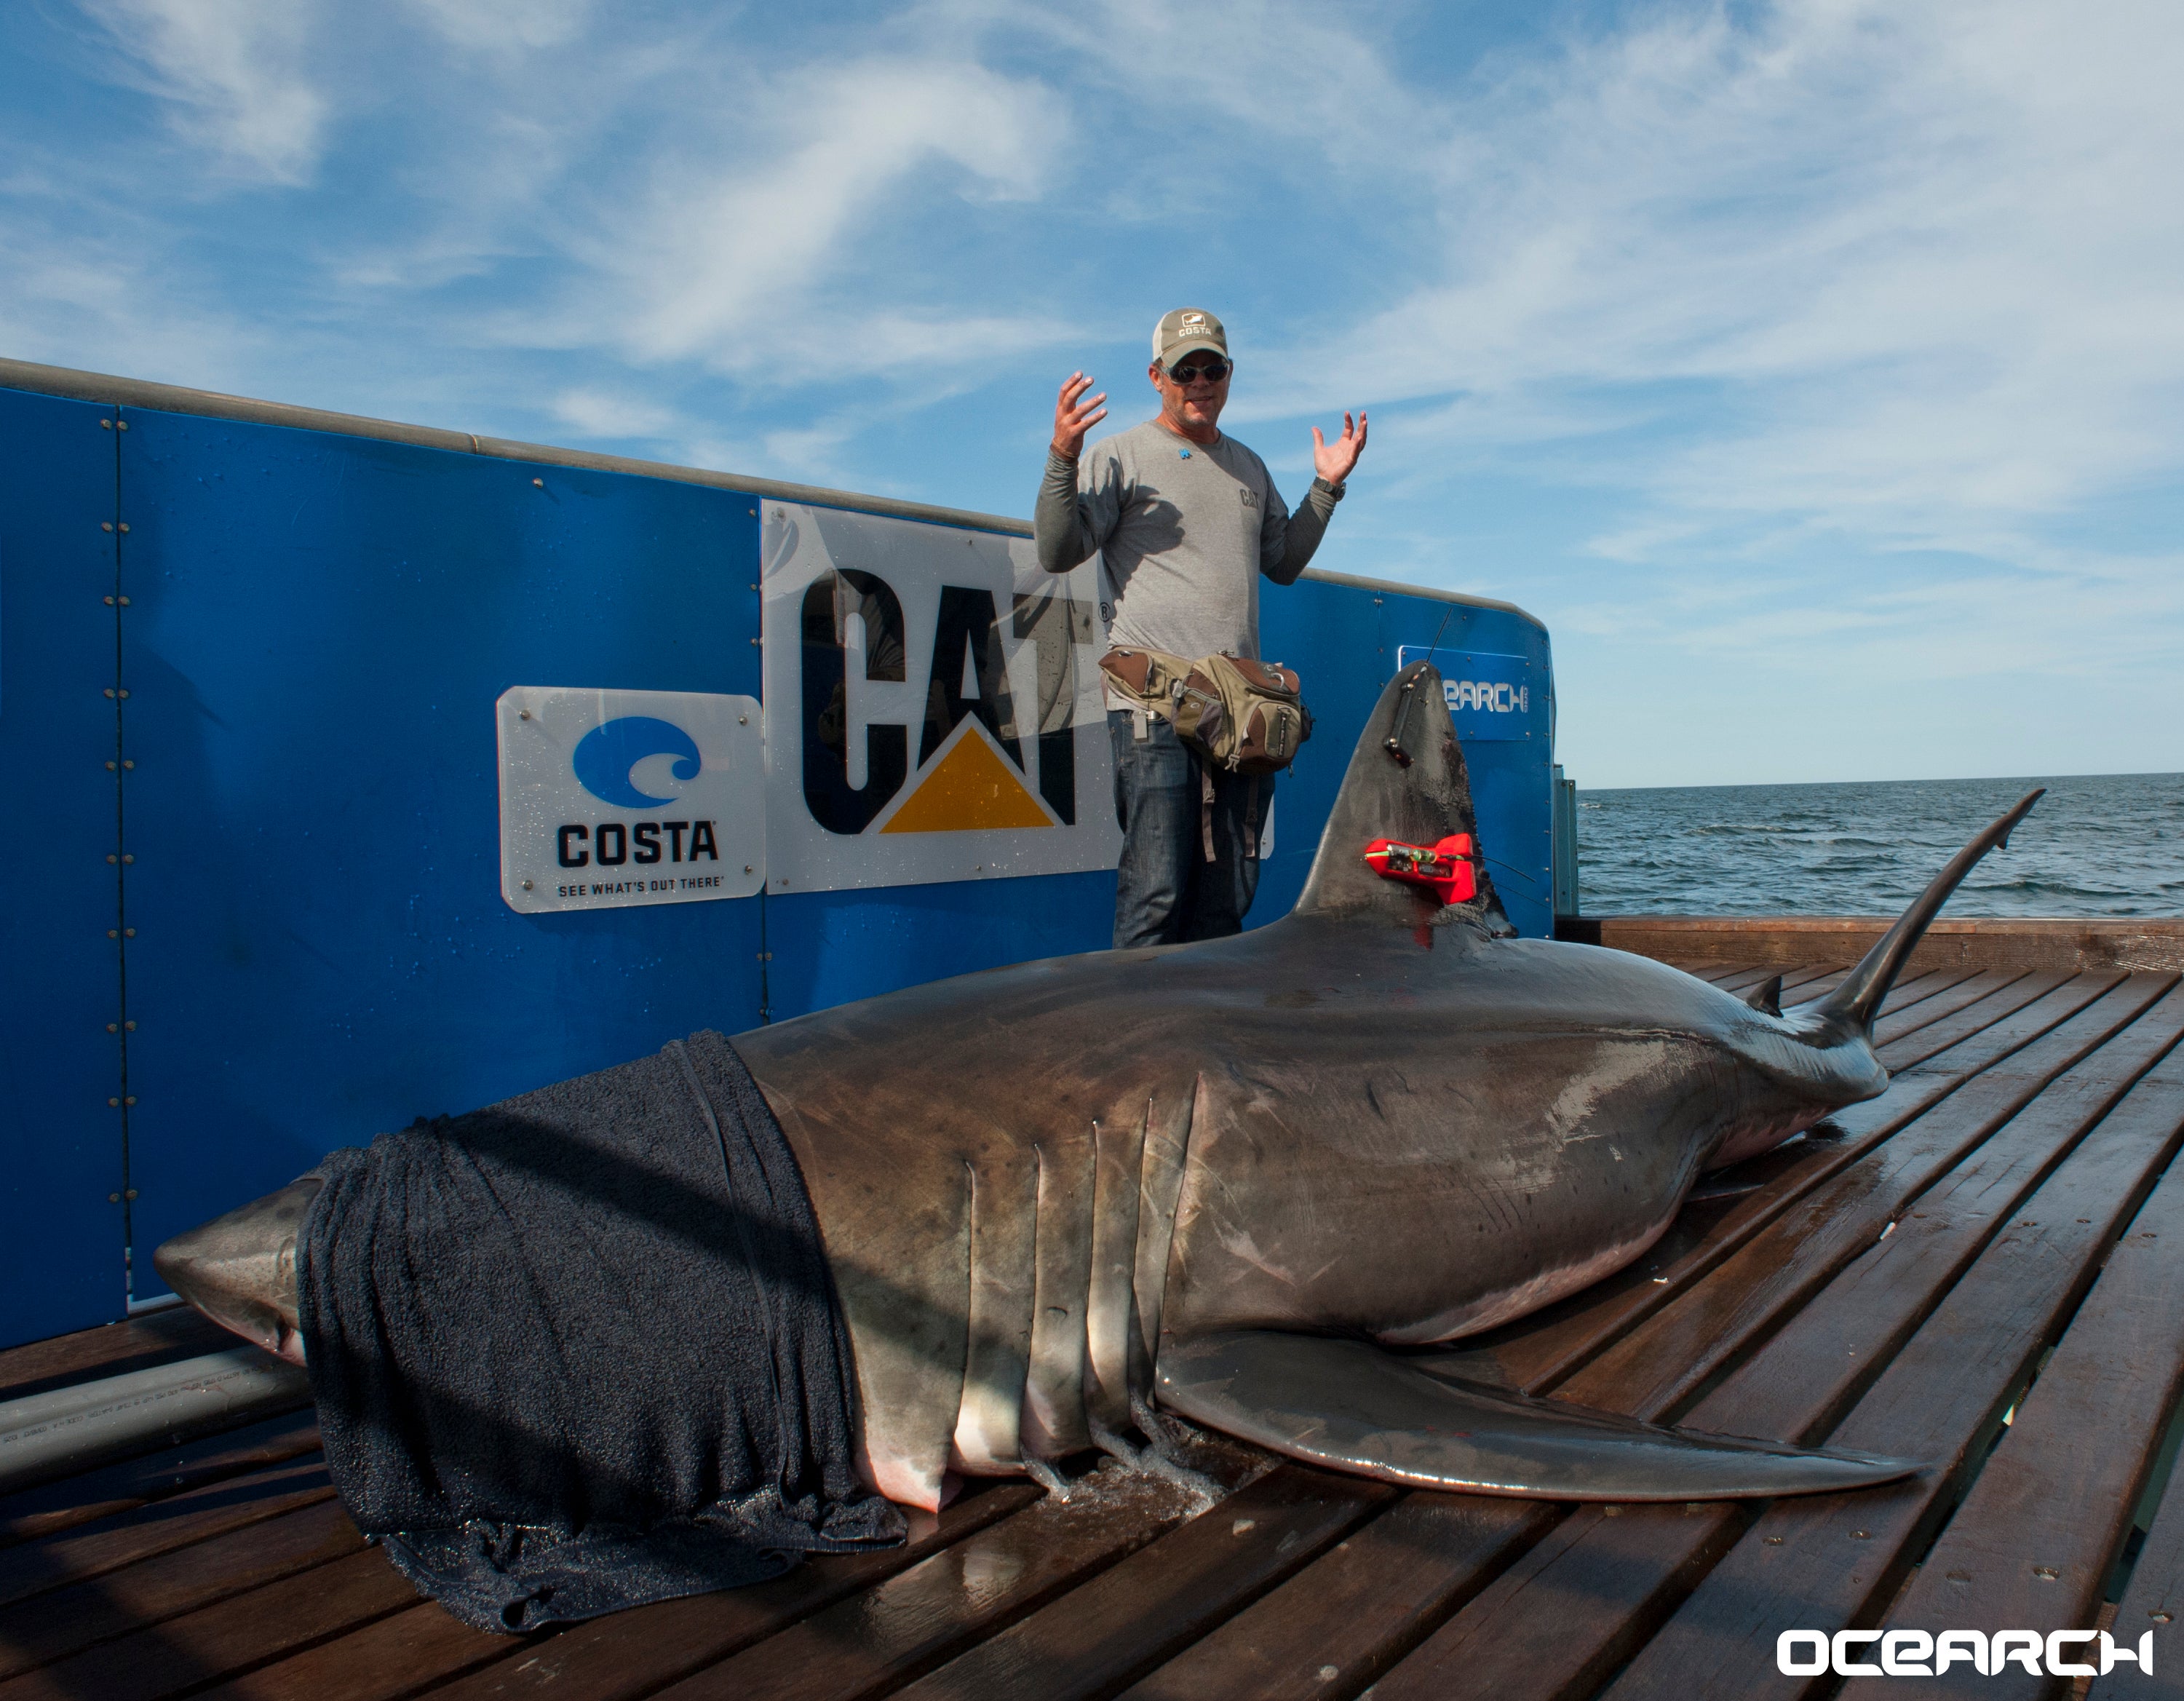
(1269, 1183)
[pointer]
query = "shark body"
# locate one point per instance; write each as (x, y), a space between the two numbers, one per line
(1252, 1180)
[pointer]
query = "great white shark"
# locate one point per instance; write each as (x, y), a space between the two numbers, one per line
(1257, 1181)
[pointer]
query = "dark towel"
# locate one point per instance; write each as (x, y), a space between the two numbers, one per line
(580, 1350)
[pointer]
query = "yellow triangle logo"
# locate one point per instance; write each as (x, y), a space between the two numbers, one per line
(973, 786)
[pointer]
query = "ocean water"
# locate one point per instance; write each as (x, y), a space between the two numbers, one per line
(2100, 845)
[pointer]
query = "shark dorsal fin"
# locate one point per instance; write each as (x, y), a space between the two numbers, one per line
(1407, 781)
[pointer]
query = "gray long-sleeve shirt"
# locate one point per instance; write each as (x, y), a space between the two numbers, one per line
(1185, 531)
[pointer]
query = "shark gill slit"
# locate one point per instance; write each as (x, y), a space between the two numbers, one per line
(1167, 1148)
(1053, 1424)
(1064, 1329)
(963, 1399)
(1004, 1224)
(1119, 1146)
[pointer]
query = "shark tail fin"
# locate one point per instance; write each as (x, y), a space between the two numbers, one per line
(1853, 1005)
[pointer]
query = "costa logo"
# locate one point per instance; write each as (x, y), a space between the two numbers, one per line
(614, 798)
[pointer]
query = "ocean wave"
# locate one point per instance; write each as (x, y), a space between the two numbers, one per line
(2095, 846)
(2028, 887)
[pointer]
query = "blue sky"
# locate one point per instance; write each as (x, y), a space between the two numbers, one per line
(1814, 370)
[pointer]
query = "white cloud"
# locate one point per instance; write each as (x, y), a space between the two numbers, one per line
(234, 73)
(1243, 68)
(87, 283)
(743, 262)
(1902, 274)
(504, 26)
(599, 413)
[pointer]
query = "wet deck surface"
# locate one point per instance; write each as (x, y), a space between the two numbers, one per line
(1996, 1235)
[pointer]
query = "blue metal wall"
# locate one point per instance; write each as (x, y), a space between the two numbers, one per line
(62, 1178)
(321, 628)
(306, 944)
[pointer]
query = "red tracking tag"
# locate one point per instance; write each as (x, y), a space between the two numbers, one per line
(1446, 867)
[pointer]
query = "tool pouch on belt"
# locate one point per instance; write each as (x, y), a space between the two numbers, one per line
(1243, 716)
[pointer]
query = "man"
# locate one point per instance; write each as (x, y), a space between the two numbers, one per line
(1187, 521)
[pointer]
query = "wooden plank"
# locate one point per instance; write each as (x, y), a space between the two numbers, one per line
(213, 1642)
(1799, 980)
(1676, 1352)
(2152, 1600)
(1900, 1022)
(2129, 945)
(2032, 1545)
(128, 1538)
(1823, 1562)
(163, 1338)
(360, 1664)
(1339, 1624)
(1807, 991)
(1803, 983)
(1856, 1325)
(637, 1652)
(1737, 981)
(1635, 1573)
(1803, 978)
(1914, 990)
(1930, 1040)
(1140, 1612)
(1540, 1628)
(1542, 1352)
(118, 1488)
(921, 1617)
(1711, 971)
(54, 1626)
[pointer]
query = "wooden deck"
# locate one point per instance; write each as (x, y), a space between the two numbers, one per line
(1983, 1268)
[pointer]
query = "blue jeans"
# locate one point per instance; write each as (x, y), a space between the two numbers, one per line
(1166, 890)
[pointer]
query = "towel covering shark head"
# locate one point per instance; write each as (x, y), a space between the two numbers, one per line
(1249, 1180)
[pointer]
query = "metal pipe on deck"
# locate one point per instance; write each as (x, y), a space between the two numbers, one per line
(44, 1436)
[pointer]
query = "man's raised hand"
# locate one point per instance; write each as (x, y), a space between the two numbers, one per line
(1333, 461)
(1074, 415)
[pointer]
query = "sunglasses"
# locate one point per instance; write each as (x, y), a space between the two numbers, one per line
(1212, 370)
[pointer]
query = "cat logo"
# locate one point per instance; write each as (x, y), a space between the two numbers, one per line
(947, 718)
(972, 772)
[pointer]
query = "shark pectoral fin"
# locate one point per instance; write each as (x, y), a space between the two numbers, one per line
(1355, 1406)
(1766, 997)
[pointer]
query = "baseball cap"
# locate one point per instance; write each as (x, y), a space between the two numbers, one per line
(1184, 332)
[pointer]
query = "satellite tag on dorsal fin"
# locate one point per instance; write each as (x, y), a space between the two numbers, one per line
(1407, 781)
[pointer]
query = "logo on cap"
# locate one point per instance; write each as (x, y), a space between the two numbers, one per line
(1191, 325)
